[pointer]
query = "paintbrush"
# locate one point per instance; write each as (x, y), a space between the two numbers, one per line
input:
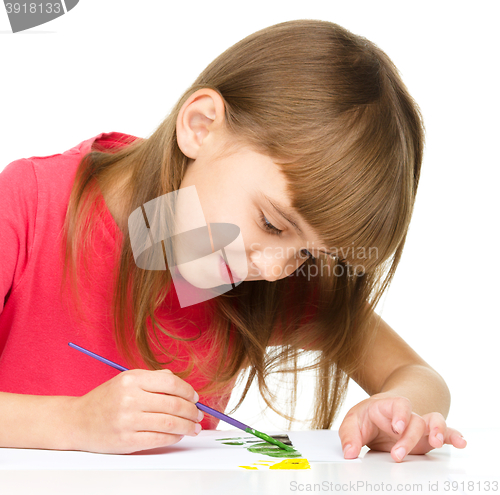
(199, 405)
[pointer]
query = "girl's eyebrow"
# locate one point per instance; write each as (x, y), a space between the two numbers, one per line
(289, 218)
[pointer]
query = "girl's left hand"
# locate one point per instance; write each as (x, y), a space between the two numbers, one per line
(386, 422)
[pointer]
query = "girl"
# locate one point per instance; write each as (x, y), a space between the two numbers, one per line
(304, 137)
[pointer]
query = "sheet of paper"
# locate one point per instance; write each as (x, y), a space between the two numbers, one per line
(204, 452)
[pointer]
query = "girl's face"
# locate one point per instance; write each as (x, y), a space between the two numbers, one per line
(243, 188)
(247, 189)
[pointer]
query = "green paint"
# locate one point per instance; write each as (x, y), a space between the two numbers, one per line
(264, 448)
(269, 439)
(271, 448)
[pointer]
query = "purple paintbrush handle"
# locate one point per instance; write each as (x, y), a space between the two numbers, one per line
(221, 416)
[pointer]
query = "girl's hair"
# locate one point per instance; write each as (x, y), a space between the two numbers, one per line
(330, 108)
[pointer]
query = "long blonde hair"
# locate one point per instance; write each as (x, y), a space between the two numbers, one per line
(329, 107)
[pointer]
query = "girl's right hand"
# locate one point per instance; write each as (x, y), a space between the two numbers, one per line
(136, 410)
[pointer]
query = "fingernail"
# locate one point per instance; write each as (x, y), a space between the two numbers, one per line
(400, 453)
(200, 415)
(196, 396)
(197, 428)
(346, 449)
(400, 426)
(440, 437)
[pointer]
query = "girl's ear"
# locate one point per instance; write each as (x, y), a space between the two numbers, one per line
(201, 114)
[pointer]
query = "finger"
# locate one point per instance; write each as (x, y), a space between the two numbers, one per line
(455, 438)
(437, 429)
(397, 414)
(411, 436)
(166, 382)
(167, 423)
(169, 404)
(401, 414)
(350, 436)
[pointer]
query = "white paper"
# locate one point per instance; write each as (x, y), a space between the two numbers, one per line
(203, 452)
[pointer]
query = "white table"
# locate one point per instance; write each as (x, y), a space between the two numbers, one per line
(445, 470)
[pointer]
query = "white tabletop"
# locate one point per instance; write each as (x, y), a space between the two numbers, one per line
(446, 470)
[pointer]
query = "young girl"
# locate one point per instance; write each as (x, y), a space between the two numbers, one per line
(304, 137)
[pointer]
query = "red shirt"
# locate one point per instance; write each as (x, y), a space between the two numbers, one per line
(35, 325)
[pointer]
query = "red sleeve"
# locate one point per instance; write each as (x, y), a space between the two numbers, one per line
(112, 140)
(18, 206)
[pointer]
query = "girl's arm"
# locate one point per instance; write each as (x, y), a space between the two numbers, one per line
(133, 411)
(37, 422)
(408, 405)
(391, 365)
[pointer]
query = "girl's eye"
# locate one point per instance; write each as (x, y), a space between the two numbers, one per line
(268, 227)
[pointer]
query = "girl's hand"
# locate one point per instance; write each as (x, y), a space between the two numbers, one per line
(136, 410)
(385, 422)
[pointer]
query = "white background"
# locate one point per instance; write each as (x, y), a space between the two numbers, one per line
(121, 65)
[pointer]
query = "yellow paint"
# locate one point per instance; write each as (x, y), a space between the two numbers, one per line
(292, 464)
(285, 464)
